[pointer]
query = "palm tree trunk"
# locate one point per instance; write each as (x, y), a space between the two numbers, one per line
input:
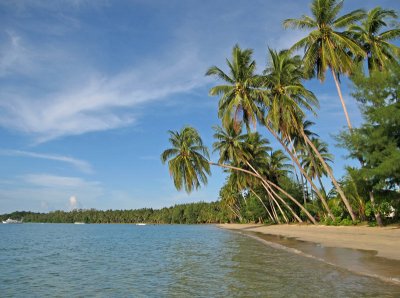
(277, 204)
(234, 212)
(285, 204)
(329, 172)
(303, 172)
(273, 192)
(295, 171)
(312, 219)
(376, 212)
(341, 99)
(266, 209)
(271, 203)
(320, 183)
(295, 201)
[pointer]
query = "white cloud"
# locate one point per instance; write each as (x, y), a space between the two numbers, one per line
(73, 202)
(81, 165)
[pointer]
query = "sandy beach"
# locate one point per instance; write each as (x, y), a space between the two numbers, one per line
(385, 241)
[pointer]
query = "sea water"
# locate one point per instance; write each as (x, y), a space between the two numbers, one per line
(67, 260)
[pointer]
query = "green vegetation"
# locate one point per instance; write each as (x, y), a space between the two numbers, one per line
(267, 184)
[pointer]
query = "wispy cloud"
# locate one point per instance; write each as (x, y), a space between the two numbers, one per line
(97, 102)
(81, 165)
(60, 182)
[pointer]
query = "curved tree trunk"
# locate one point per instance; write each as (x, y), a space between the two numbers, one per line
(266, 209)
(301, 175)
(303, 172)
(271, 203)
(320, 183)
(285, 204)
(341, 99)
(234, 212)
(279, 207)
(312, 219)
(328, 170)
(273, 192)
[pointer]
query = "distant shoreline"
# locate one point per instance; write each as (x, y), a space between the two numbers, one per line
(360, 249)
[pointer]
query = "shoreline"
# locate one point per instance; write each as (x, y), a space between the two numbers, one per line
(363, 250)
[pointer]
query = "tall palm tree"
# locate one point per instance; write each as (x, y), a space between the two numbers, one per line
(239, 94)
(284, 114)
(187, 159)
(288, 96)
(380, 52)
(326, 47)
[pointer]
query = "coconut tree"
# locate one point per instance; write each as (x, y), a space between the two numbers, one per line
(229, 143)
(326, 47)
(287, 98)
(239, 93)
(287, 95)
(374, 41)
(249, 153)
(187, 159)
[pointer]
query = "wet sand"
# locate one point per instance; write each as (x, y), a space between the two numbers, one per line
(366, 250)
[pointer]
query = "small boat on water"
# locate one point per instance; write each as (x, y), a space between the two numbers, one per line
(79, 223)
(12, 221)
(140, 224)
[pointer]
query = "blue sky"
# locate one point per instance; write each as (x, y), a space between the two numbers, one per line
(88, 90)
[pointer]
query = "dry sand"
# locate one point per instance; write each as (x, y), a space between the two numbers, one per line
(385, 241)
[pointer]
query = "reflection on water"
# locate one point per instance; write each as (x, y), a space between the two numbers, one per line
(163, 261)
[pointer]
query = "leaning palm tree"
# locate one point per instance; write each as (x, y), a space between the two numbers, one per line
(380, 52)
(239, 94)
(287, 95)
(187, 159)
(326, 47)
(248, 154)
(285, 114)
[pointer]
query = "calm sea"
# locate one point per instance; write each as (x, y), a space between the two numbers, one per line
(67, 260)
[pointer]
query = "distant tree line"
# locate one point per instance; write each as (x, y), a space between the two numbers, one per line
(193, 213)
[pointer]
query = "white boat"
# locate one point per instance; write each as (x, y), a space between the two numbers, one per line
(140, 224)
(79, 223)
(12, 221)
